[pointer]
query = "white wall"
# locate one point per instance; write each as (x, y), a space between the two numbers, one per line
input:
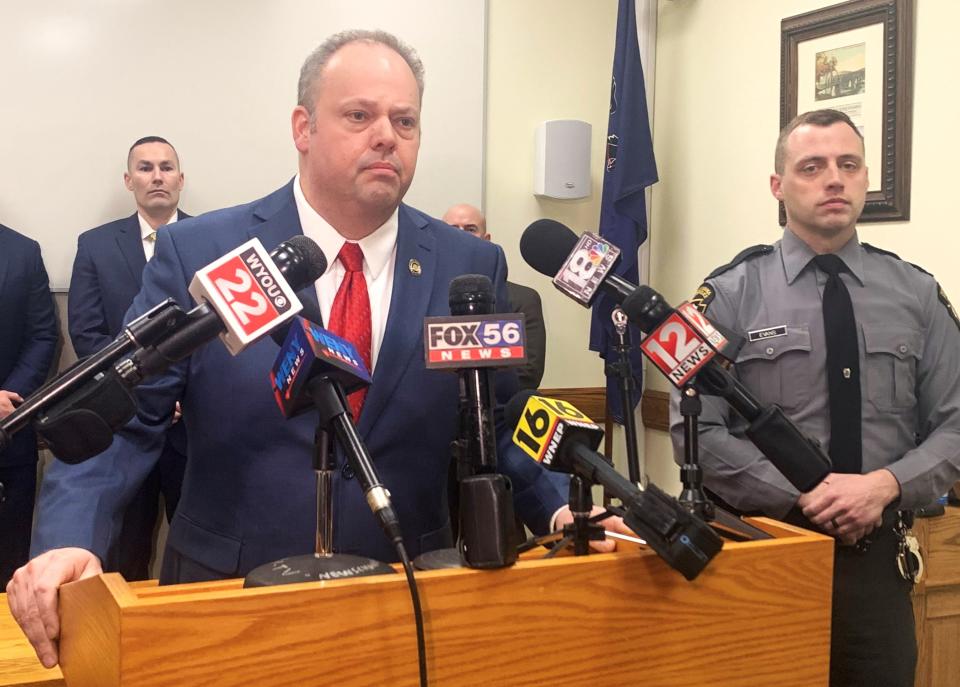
(82, 80)
(717, 115)
(546, 59)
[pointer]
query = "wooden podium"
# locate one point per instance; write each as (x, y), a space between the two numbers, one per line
(759, 614)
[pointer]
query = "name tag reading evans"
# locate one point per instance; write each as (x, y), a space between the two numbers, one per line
(767, 333)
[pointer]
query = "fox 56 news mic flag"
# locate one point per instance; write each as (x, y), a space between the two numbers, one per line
(496, 340)
(245, 287)
(630, 167)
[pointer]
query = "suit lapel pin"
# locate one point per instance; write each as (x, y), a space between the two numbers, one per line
(414, 267)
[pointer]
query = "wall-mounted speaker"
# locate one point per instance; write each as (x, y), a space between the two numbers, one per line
(562, 159)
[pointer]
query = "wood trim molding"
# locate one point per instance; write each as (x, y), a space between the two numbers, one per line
(591, 400)
(655, 405)
(655, 408)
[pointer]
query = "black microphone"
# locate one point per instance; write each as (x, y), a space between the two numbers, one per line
(472, 294)
(248, 293)
(560, 437)
(241, 299)
(546, 245)
(581, 268)
(485, 497)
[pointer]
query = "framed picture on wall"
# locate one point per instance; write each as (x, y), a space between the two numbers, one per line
(857, 57)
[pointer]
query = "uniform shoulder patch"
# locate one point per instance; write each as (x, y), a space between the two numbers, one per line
(745, 254)
(941, 294)
(703, 297)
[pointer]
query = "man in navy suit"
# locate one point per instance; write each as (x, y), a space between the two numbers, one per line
(249, 492)
(28, 342)
(107, 274)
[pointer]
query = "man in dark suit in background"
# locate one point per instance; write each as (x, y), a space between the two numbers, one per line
(522, 299)
(106, 277)
(28, 342)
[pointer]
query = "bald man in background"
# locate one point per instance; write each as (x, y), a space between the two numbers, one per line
(523, 299)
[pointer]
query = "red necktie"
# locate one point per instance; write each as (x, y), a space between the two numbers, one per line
(350, 315)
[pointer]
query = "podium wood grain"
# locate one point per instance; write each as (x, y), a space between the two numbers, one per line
(758, 615)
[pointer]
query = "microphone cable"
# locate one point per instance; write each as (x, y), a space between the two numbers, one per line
(417, 611)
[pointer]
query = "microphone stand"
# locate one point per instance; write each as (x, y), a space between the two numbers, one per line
(89, 385)
(582, 530)
(323, 564)
(693, 497)
(484, 498)
(623, 369)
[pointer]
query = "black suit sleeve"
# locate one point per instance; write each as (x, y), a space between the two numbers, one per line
(40, 332)
(86, 317)
(525, 300)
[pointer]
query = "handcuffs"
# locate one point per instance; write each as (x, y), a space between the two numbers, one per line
(909, 558)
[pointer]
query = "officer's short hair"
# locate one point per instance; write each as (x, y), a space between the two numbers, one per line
(151, 139)
(815, 118)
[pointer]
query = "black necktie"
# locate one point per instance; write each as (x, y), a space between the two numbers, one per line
(843, 368)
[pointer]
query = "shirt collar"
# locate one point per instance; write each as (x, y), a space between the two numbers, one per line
(146, 229)
(797, 255)
(377, 247)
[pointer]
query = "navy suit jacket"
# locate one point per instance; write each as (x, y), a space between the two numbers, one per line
(107, 274)
(249, 491)
(28, 330)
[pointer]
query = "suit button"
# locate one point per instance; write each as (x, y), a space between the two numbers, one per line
(347, 471)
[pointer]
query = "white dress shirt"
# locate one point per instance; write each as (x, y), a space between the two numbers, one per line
(379, 255)
(146, 230)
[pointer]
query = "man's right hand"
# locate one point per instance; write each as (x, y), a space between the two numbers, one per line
(33, 595)
(9, 400)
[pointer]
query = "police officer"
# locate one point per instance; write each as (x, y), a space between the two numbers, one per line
(862, 350)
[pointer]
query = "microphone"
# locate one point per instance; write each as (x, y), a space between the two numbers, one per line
(77, 413)
(681, 343)
(308, 352)
(242, 296)
(579, 266)
(472, 341)
(315, 368)
(562, 438)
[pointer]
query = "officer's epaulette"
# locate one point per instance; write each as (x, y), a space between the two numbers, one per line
(881, 251)
(940, 292)
(705, 294)
(759, 249)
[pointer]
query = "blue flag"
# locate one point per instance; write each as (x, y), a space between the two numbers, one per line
(630, 168)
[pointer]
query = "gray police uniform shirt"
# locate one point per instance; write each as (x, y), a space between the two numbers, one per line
(909, 361)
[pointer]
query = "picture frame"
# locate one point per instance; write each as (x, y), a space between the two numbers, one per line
(857, 57)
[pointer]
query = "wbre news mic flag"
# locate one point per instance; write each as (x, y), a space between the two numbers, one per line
(630, 168)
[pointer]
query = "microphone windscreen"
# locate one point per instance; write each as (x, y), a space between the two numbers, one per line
(546, 244)
(514, 408)
(300, 260)
(472, 294)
